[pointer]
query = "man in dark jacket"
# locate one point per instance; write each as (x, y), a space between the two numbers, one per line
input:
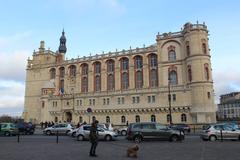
(93, 137)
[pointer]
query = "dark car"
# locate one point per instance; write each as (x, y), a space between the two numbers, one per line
(181, 126)
(152, 130)
(26, 128)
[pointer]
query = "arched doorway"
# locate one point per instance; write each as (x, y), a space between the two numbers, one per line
(68, 116)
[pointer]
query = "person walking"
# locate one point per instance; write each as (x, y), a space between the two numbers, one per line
(93, 138)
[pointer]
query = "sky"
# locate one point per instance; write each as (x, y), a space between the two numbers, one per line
(94, 26)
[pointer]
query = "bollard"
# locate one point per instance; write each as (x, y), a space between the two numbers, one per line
(221, 135)
(18, 137)
(57, 136)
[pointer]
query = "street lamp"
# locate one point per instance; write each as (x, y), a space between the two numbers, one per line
(169, 100)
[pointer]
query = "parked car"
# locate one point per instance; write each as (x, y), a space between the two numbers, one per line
(26, 127)
(61, 128)
(107, 126)
(103, 133)
(8, 129)
(181, 126)
(217, 131)
(122, 131)
(73, 132)
(152, 130)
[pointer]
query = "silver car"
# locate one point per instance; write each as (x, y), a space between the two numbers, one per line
(215, 132)
(61, 128)
(103, 134)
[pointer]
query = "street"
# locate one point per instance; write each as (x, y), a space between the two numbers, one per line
(41, 147)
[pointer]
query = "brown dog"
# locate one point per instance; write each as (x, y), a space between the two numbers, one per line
(132, 151)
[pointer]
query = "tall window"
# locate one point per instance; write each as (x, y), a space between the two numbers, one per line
(183, 118)
(110, 75)
(84, 84)
(138, 72)
(80, 119)
(153, 118)
(107, 119)
(171, 55)
(138, 62)
(72, 70)
(204, 48)
(173, 77)
(188, 48)
(52, 73)
(110, 66)
(206, 71)
(137, 118)
(61, 86)
(168, 117)
(125, 81)
(97, 83)
(97, 67)
(125, 64)
(189, 74)
(153, 70)
(84, 69)
(139, 79)
(62, 72)
(123, 119)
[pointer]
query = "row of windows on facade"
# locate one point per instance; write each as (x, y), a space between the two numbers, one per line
(137, 118)
(153, 78)
(120, 100)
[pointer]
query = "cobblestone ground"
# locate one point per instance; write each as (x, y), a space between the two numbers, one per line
(40, 147)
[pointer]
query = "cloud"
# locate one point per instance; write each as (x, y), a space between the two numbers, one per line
(226, 81)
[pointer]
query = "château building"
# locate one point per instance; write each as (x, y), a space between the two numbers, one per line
(171, 78)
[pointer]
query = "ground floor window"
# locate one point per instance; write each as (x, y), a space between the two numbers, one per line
(137, 118)
(153, 118)
(123, 119)
(107, 119)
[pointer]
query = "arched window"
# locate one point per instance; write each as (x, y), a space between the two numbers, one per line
(153, 70)
(123, 119)
(153, 118)
(72, 70)
(97, 83)
(84, 69)
(110, 66)
(139, 79)
(125, 83)
(80, 119)
(56, 119)
(138, 62)
(84, 84)
(172, 55)
(206, 71)
(107, 119)
(137, 118)
(110, 83)
(204, 48)
(173, 77)
(61, 86)
(62, 72)
(168, 117)
(124, 64)
(183, 118)
(97, 67)
(153, 60)
(52, 73)
(188, 50)
(189, 74)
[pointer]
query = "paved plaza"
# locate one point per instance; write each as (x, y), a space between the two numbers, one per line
(40, 147)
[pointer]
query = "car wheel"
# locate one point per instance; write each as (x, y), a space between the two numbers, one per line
(80, 138)
(212, 138)
(73, 134)
(137, 139)
(108, 138)
(48, 133)
(7, 133)
(67, 132)
(174, 138)
(123, 133)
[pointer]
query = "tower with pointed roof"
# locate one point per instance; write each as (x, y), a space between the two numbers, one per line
(62, 47)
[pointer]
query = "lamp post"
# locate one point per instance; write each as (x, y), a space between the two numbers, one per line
(169, 100)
